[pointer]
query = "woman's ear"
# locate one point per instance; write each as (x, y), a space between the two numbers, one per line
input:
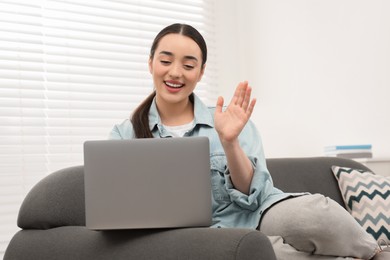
(202, 72)
(150, 65)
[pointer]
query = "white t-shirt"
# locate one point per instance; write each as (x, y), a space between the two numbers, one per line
(180, 130)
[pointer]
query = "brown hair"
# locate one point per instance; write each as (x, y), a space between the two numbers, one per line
(140, 117)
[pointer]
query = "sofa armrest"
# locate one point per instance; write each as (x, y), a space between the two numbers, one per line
(76, 242)
(57, 200)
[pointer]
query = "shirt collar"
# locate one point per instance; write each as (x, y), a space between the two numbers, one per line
(203, 116)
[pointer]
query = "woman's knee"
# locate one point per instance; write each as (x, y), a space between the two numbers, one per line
(304, 215)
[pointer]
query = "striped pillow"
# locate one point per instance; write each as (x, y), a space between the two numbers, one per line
(367, 198)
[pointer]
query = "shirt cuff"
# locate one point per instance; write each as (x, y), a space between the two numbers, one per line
(249, 202)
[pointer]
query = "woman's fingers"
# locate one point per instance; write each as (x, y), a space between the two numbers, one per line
(235, 96)
(251, 107)
(242, 97)
(246, 98)
(241, 92)
(219, 104)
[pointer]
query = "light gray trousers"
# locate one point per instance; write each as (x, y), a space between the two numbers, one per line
(315, 227)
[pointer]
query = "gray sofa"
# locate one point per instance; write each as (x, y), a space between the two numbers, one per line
(52, 221)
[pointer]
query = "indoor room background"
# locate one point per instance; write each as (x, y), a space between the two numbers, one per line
(319, 70)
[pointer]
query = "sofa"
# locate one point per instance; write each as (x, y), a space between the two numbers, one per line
(52, 221)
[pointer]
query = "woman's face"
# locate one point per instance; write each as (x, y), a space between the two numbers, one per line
(176, 68)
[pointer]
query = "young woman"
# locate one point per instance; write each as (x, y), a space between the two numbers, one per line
(300, 226)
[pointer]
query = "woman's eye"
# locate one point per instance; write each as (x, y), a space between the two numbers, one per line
(165, 62)
(188, 67)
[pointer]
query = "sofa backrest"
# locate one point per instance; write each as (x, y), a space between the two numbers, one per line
(58, 199)
(312, 174)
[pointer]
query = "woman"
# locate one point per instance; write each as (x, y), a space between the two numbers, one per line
(242, 186)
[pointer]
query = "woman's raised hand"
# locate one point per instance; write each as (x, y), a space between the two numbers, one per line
(229, 123)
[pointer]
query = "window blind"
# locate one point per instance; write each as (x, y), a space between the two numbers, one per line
(70, 70)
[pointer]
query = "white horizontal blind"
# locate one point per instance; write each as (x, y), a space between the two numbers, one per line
(70, 70)
(23, 144)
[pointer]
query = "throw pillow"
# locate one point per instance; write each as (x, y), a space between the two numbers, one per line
(367, 198)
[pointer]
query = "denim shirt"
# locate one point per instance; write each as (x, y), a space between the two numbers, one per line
(231, 208)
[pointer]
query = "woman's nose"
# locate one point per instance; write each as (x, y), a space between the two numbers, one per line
(175, 71)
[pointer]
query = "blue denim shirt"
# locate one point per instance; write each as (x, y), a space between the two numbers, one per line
(231, 208)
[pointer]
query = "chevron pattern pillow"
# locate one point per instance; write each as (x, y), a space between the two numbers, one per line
(367, 198)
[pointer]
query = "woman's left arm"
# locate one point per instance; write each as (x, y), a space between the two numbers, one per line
(229, 124)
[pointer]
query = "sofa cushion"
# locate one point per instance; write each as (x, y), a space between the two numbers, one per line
(367, 198)
(76, 242)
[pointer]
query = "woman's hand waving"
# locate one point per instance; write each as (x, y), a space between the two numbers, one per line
(229, 123)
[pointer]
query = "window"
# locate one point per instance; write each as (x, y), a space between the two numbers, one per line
(70, 70)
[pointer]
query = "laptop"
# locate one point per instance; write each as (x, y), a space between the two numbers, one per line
(147, 183)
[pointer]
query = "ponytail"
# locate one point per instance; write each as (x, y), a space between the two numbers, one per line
(140, 118)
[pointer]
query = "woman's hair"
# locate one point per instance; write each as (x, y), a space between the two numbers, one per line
(140, 117)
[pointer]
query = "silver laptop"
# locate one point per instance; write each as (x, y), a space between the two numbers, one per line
(147, 183)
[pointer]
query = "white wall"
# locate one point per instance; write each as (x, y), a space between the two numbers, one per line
(320, 70)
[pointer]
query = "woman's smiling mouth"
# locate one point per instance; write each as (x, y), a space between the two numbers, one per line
(176, 85)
